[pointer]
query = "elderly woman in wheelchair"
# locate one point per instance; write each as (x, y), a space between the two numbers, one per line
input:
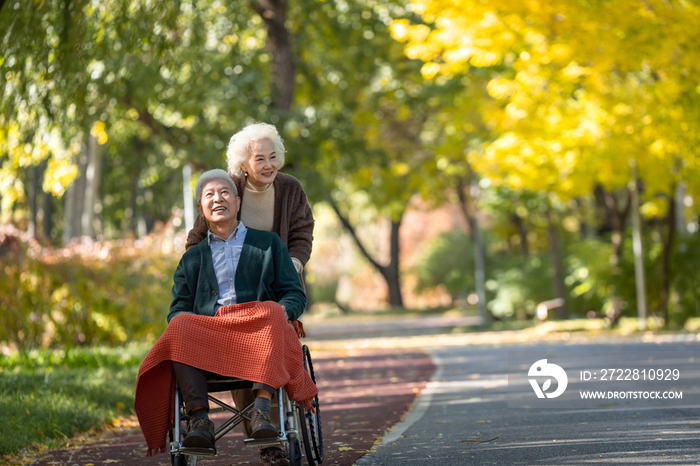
(234, 296)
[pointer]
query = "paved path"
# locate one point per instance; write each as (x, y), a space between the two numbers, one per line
(387, 326)
(363, 393)
(463, 416)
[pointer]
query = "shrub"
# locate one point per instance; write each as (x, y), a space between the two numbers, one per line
(86, 294)
(448, 261)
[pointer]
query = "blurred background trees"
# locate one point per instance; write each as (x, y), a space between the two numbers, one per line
(521, 120)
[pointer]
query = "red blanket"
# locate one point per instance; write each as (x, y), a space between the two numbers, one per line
(252, 341)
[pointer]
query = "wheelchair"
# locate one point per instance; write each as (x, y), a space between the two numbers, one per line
(300, 435)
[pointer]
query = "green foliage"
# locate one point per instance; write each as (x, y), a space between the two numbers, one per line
(518, 286)
(515, 285)
(687, 278)
(101, 293)
(48, 395)
(448, 261)
(324, 292)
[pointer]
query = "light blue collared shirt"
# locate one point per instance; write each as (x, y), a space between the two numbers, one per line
(225, 255)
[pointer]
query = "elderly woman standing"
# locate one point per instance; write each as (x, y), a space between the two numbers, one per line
(270, 201)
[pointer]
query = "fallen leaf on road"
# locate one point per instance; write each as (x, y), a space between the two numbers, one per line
(473, 440)
(344, 449)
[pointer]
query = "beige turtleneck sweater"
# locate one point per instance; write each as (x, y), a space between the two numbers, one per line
(258, 211)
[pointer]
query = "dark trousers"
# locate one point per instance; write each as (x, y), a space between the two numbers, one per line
(193, 385)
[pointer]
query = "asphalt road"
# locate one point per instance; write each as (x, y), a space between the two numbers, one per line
(387, 326)
(463, 416)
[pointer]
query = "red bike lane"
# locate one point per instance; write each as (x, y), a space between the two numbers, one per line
(363, 392)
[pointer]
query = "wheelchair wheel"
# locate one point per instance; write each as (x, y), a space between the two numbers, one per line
(305, 437)
(293, 450)
(310, 423)
(179, 460)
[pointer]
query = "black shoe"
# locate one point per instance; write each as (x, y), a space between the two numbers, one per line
(200, 435)
(260, 424)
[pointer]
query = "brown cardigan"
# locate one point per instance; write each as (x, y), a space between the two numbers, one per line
(293, 221)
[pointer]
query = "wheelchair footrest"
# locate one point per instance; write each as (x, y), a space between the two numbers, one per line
(198, 451)
(264, 442)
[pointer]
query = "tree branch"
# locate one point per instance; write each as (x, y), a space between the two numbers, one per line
(351, 230)
(464, 206)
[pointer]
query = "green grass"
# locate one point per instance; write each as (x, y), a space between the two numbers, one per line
(48, 395)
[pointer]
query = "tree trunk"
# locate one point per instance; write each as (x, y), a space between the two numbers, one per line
(520, 229)
(131, 210)
(47, 220)
(73, 199)
(618, 223)
(274, 16)
(617, 217)
(679, 199)
(79, 196)
(390, 272)
(33, 191)
(469, 211)
(559, 289)
(665, 291)
(637, 249)
(68, 212)
(93, 172)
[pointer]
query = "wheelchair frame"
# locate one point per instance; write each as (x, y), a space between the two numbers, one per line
(299, 436)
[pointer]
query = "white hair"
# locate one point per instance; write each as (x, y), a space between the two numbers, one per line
(211, 175)
(238, 150)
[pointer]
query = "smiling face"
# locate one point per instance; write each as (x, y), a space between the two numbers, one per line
(262, 163)
(219, 204)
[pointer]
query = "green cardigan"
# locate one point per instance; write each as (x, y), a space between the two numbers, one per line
(265, 273)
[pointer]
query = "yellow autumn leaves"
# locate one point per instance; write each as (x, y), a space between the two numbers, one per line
(25, 152)
(574, 90)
